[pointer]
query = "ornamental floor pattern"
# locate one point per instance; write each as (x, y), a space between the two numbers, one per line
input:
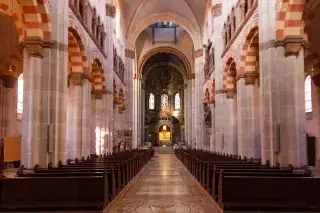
(163, 186)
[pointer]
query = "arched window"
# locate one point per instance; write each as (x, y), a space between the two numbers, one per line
(177, 104)
(151, 101)
(307, 94)
(164, 101)
(20, 95)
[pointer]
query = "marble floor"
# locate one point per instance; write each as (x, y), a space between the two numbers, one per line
(163, 186)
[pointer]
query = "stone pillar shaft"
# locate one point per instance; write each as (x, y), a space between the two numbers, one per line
(74, 124)
(86, 117)
(34, 134)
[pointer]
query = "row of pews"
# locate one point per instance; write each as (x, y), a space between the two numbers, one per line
(247, 185)
(81, 184)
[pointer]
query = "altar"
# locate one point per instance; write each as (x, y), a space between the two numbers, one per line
(165, 136)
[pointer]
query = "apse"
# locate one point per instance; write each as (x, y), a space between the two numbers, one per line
(163, 78)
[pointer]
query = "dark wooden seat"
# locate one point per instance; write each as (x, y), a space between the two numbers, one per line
(269, 193)
(240, 184)
(78, 185)
(54, 193)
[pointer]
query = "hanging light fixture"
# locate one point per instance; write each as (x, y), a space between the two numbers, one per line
(10, 67)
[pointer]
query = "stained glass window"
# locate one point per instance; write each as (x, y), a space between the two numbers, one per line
(307, 94)
(177, 101)
(164, 101)
(151, 101)
(20, 95)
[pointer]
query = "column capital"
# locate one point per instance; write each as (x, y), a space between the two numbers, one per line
(250, 77)
(198, 53)
(35, 46)
(191, 76)
(76, 78)
(230, 93)
(239, 76)
(97, 94)
(292, 44)
(111, 10)
(129, 53)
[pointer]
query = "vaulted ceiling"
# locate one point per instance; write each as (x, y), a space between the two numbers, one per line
(136, 10)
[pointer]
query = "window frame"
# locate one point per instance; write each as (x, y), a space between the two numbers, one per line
(175, 101)
(154, 102)
(308, 94)
(19, 103)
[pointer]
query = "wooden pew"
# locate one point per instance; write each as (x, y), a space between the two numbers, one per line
(213, 186)
(54, 193)
(269, 193)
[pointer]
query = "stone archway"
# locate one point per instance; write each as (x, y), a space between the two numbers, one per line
(229, 75)
(250, 57)
(135, 30)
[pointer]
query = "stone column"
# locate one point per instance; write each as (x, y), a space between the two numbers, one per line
(34, 124)
(198, 99)
(143, 112)
(57, 65)
(213, 132)
(98, 125)
(241, 122)
(283, 121)
(86, 116)
(139, 101)
(230, 128)
(185, 112)
(135, 112)
(129, 66)
(108, 67)
(74, 117)
(189, 117)
(249, 143)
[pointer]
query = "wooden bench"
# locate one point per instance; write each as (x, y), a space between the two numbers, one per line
(54, 193)
(269, 193)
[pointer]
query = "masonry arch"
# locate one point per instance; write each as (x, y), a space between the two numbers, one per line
(229, 75)
(165, 49)
(98, 79)
(76, 53)
(135, 30)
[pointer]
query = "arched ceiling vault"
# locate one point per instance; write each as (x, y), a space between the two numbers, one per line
(165, 55)
(163, 59)
(139, 14)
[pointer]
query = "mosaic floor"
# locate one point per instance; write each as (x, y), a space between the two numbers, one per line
(163, 186)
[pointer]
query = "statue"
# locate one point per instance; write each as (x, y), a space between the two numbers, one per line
(207, 115)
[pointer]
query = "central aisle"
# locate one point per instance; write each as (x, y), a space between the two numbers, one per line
(163, 186)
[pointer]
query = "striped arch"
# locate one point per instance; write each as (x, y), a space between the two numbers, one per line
(98, 79)
(250, 52)
(76, 53)
(32, 17)
(36, 17)
(229, 74)
(289, 18)
(16, 18)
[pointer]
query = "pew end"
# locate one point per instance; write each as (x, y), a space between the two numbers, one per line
(36, 167)
(50, 165)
